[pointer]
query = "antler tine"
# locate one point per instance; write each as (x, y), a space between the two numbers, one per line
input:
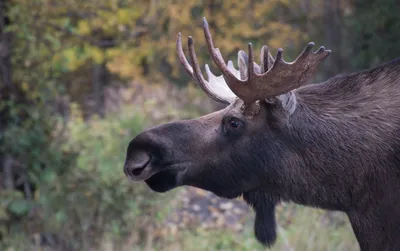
(242, 63)
(279, 58)
(195, 72)
(193, 58)
(250, 65)
(267, 61)
(199, 75)
(311, 59)
(188, 68)
(216, 55)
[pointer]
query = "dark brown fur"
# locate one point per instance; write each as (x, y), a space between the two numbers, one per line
(338, 150)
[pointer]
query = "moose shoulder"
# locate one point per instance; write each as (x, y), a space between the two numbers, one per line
(333, 145)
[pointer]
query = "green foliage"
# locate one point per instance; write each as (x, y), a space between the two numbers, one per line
(20, 207)
(375, 32)
(95, 197)
(73, 162)
(89, 194)
(309, 230)
(12, 203)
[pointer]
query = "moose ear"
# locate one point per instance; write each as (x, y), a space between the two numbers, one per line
(265, 224)
(282, 107)
(284, 103)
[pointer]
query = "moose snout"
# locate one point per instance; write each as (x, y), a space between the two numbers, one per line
(152, 150)
(137, 166)
(141, 154)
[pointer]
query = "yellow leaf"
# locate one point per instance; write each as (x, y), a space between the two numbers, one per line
(25, 86)
(71, 60)
(97, 55)
(113, 52)
(83, 27)
(123, 16)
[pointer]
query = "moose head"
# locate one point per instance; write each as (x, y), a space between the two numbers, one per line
(240, 149)
(277, 139)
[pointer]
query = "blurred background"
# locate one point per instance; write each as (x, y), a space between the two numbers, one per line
(79, 79)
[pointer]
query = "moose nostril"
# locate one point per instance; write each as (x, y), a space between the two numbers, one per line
(136, 171)
(137, 163)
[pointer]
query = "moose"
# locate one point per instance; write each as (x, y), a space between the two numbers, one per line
(333, 145)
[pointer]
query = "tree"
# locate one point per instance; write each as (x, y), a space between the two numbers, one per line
(374, 32)
(5, 47)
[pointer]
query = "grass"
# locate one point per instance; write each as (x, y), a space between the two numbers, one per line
(300, 229)
(307, 229)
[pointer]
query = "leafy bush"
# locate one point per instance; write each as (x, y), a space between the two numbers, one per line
(29, 141)
(80, 198)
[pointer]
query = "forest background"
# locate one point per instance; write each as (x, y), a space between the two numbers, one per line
(79, 79)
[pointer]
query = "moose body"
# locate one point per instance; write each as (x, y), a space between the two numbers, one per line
(333, 145)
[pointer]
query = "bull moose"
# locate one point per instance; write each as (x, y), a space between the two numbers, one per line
(333, 145)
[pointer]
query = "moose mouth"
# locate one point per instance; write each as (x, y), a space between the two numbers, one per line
(163, 181)
(170, 178)
(160, 178)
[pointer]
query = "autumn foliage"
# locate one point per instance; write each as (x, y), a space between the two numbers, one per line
(78, 79)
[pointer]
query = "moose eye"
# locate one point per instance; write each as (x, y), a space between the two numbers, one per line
(234, 123)
(233, 126)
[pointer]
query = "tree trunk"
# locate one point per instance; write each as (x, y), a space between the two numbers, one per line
(8, 173)
(5, 83)
(332, 33)
(307, 10)
(100, 79)
(5, 48)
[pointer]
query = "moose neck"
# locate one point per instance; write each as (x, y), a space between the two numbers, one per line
(377, 227)
(342, 160)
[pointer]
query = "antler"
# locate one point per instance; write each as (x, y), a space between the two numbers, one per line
(216, 88)
(252, 82)
(282, 77)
